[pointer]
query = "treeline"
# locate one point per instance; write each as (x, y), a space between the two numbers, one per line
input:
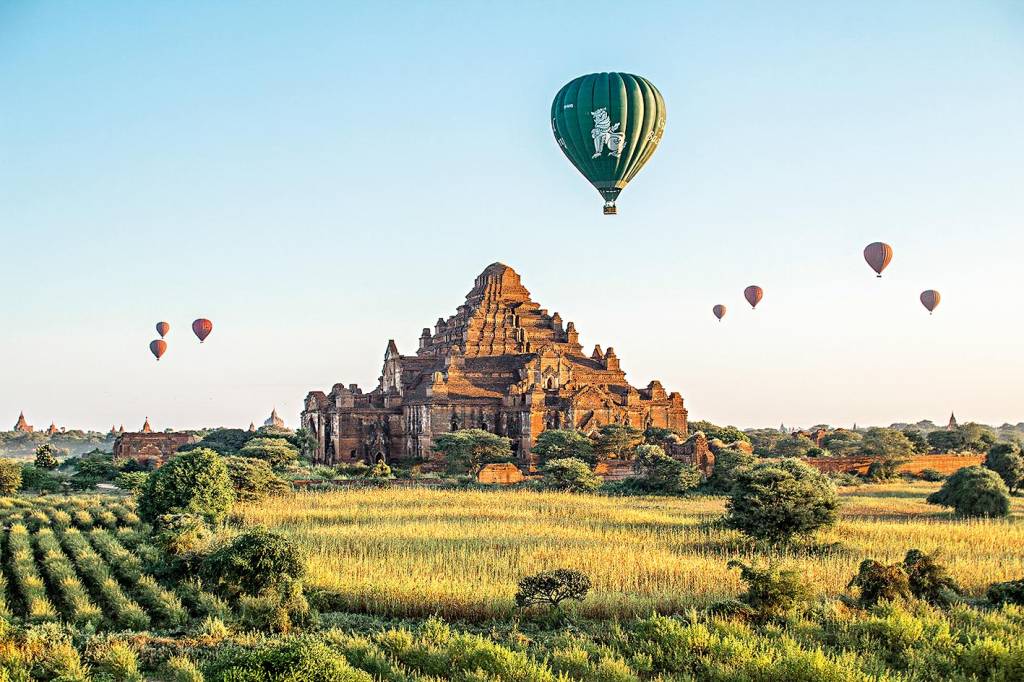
(20, 445)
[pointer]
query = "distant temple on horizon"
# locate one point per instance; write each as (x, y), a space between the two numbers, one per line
(273, 420)
(22, 425)
(952, 425)
(501, 363)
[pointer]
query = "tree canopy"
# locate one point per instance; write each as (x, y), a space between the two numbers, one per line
(559, 444)
(277, 452)
(1007, 460)
(775, 501)
(726, 434)
(974, 491)
(194, 482)
(467, 450)
(618, 441)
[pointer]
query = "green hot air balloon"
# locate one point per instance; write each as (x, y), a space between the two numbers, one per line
(608, 124)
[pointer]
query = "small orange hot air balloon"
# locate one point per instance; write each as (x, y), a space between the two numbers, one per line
(158, 347)
(753, 294)
(162, 328)
(878, 255)
(202, 328)
(930, 299)
(719, 311)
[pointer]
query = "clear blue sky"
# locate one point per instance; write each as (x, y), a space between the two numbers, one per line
(319, 177)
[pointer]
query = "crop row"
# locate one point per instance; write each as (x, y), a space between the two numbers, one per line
(62, 576)
(22, 564)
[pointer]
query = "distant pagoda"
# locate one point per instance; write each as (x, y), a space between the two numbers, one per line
(952, 425)
(274, 421)
(22, 425)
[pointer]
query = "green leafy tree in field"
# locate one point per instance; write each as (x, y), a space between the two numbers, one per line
(659, 473)
(305, 441)
(560, 444)
(727, 462)
(842, 442)
(775, 501)
(10, 476)
(764, 440)
(929, 580)
(253, 479)
(570, 474)
(92, 468)
(656, 435)
(45, 458)
(278, 452)
(222, 441)
(617, 441)
(253, 562)
(726, 434)
(1007, 460)
(132, 481)
(974, 491)
(466, 451)
(793, 446)
(552, 588)
(771, 593)
(946, 441)
(194, 482)
(886, 444)
(977, 437)
(40, 480)
(917, 441)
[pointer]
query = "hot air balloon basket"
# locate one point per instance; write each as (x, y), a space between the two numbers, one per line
(610, 209)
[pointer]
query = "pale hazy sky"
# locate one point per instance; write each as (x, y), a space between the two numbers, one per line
(319, 177)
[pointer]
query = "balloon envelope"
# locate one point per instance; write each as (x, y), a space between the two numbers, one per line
(158, 347)
(930, 299)
(878, 255)
(162, 328)
(753, 294)
(719, 311)
(608, 125)
(202, 328)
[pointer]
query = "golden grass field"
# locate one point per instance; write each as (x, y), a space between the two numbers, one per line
(418, 551)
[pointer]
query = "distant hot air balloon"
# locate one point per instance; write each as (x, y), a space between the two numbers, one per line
(162, 328)
(609, 125)
(930, 299)
(719, 311)
(878, 255)
(753, 294)
(158, 347)
(202, 328)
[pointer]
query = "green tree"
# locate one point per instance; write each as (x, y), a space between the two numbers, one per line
(222, 441)
(877, 581)
(793, 446)
(657, 472)
(726, 434)
(253, 562)
(253, 479)
(10, 476)
(194, 482)
(974, 491)
(45, 458)
(885, 444)
(771, 593)
(727, 462)
(552, 588)
(570, 474)
(917, 440)
(775, 501)
(977, 437)
(929, 580)
(656, 435)
(842, 442)
(132, 481)
(305, 441)
(1006, 460)
(92, 468)
(946, 441)
(277, 452)
(42, 480)
(617, 441)
(560, 443)
(379, 470)
(466, 451)
(764, 440)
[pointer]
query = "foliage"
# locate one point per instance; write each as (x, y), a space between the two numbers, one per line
(617, 441)
(253, 562)
(305, 441)
(793, 446)
(92, 468)
(888, 446)
(771, 593)
(932, 475)
(929, 580)
(878, 581)
(379, 470)
(223, 441)
(552, 588)
(659, 473)
(842, 442)
(1009, 592)
(775, 501)
(727, 462)
(41, 480)
(570, 474)
(253, 479)
(277, 452)
(1007, 460)
(10, 476)
(656, 435)
(946, 441)
(974, 491)
(193, 482)
(917, 440)
(467, 450)
(308, 660)
(132, 481)
(45, 457)
(977, 437)
(764, 440)
(561, 443)
(726, 434)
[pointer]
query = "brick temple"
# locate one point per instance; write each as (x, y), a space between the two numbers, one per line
(501, 363)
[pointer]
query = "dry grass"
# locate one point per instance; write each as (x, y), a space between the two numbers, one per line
(416, 551)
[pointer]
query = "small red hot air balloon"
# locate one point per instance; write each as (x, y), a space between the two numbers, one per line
(878, 255)
(719, 311)
(158, 347)
(930, 299)
(753, 294)
(162, 328)
(202, 328)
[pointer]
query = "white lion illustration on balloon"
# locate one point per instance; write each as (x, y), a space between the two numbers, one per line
(606, 135)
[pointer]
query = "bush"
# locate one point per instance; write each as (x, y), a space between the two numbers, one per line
(253, 562)
(132, 481)
(194, 482)
(275, 610)
(974, 491)
(275, 451)
(45, 457)
(878, 581)
(928, 579)
(253, 479)
(771, 593)
(562, 444)
(10, 476)
(932, 475)
(1006, 460)
(571, 475)
(659, 473)
(1010, 592)
(775, 501)
(34, 478)
(304, 659)
(726, 464)
(552, 588)
(380, 470)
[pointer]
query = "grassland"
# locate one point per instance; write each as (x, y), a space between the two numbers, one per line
(419, 551)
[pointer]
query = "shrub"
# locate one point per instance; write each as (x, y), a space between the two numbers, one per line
(570, 474)
(275, 610)
(253, 562)
(659, 473)
(308, 660)
(563, 444)
(194, 482)
(118, 661)
(775, 501)
(1009, 592)
(928, 579)
(1006, 460)
(182, 669)
(34, 478)
(132, 481)
(727, 461)
(253, 479)
(45, 457)
(974, 491)
(275, 451)
(771, 593)
(380, 470)
(932, 475)
(552, 588)
(10, 476)
(878, 581)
